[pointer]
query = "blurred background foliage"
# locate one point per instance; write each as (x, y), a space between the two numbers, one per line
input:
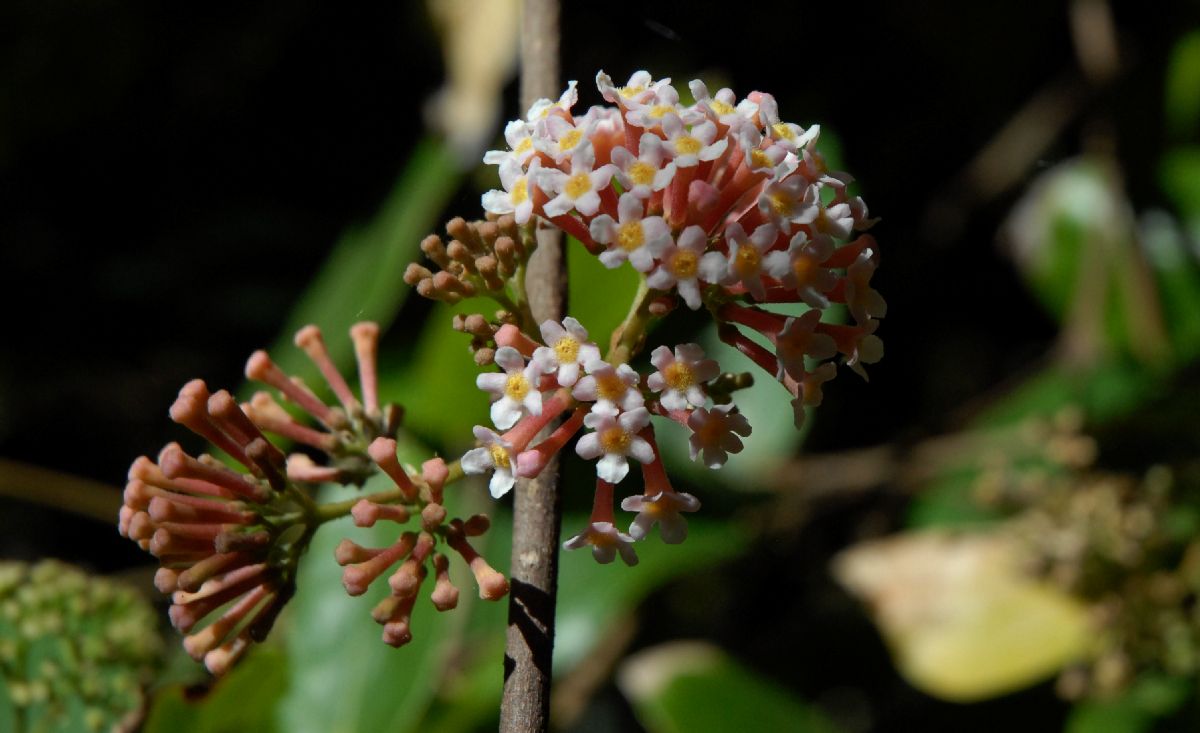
(999, 531)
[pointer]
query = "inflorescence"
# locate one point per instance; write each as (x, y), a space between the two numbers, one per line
(718, 204)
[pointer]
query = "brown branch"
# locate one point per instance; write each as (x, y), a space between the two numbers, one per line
(58, 490)
(537, 504)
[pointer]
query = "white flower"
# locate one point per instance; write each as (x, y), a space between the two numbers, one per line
(680, 376)
(632, 237)
(580, 188)
(494, 455)
(663, 508)
(615, 439)
(543, 107)
(680, 266)
(613, 390)
(835, 220)
(606, 542)
(560, 139)
(516, 198)
(800, 268)
(640, 87)
(864, 302)
(652, 110)
(567, 348)
(745, 261)
(868, 348)
(715, 434)
(519, 136)
(799, 339)
(514, 392)
(782, 201)
(809, 391)
(645, 174)
(723, 108)
(689, 147)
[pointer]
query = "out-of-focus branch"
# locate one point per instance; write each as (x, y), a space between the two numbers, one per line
(57, 490)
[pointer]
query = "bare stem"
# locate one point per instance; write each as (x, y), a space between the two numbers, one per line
(537, 505)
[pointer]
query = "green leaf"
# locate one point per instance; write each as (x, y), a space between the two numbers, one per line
(1179, 175)
(599, 297)
(435, 380)
(1182, 97)
(693, 687)
(244, 700)
(343, 677)
(1135, 711)
(361, 279)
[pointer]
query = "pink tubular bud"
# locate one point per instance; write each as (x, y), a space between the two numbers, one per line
(309, 339)
(221, 660)
(191, 579)
(510, 335)
(530, 425)
(396, 630)
(432, 517)
(365, 335)
(260, 368)
(492, 585)
(445, 595)
(190, 409)
(166, 580)
(238, 540)
(383, 452)
(269, 461)
(406, 581)
(176, 464)
(531, 462)
(435, 472)
(348, 552)
(301, 468)
(356, 578)
(199, 644)
(270, 417)
(476, 525)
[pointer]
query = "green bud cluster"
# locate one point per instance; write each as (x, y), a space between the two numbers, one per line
(76, 651)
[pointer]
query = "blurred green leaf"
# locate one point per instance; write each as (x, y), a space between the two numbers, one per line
(361, 279)
(1179, 175)
(1182, 96)
(435, 380)
(1135, 711)
(343, 677)
(1178, 275)
(245, 700)
(599, 297)
(693, 687)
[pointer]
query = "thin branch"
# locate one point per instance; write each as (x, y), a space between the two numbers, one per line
(537, 504)
(58, 490)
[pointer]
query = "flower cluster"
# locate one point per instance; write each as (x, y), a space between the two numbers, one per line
(720, 202)
(565, 375)
(229, 541)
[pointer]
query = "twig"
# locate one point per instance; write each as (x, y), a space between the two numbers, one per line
(537, 504)
(58, 490)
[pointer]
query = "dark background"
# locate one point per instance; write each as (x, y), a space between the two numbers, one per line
(172, 175)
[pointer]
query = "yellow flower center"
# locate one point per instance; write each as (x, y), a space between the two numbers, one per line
(659, 110)
(566, 349)
(609, 387)
(631, 91)
(688, 145)
(520, 191)
(759, 159)
(746, 261)
(679, 376)
(720, 107)
(803, 268)
(524, 145)
(516, 387)
(782, 204)
(615, 440)
(684, 264)
(784, 131)
(570, 139)
(500, 457)
(630, 236)
(641, 173)
(578, 185)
